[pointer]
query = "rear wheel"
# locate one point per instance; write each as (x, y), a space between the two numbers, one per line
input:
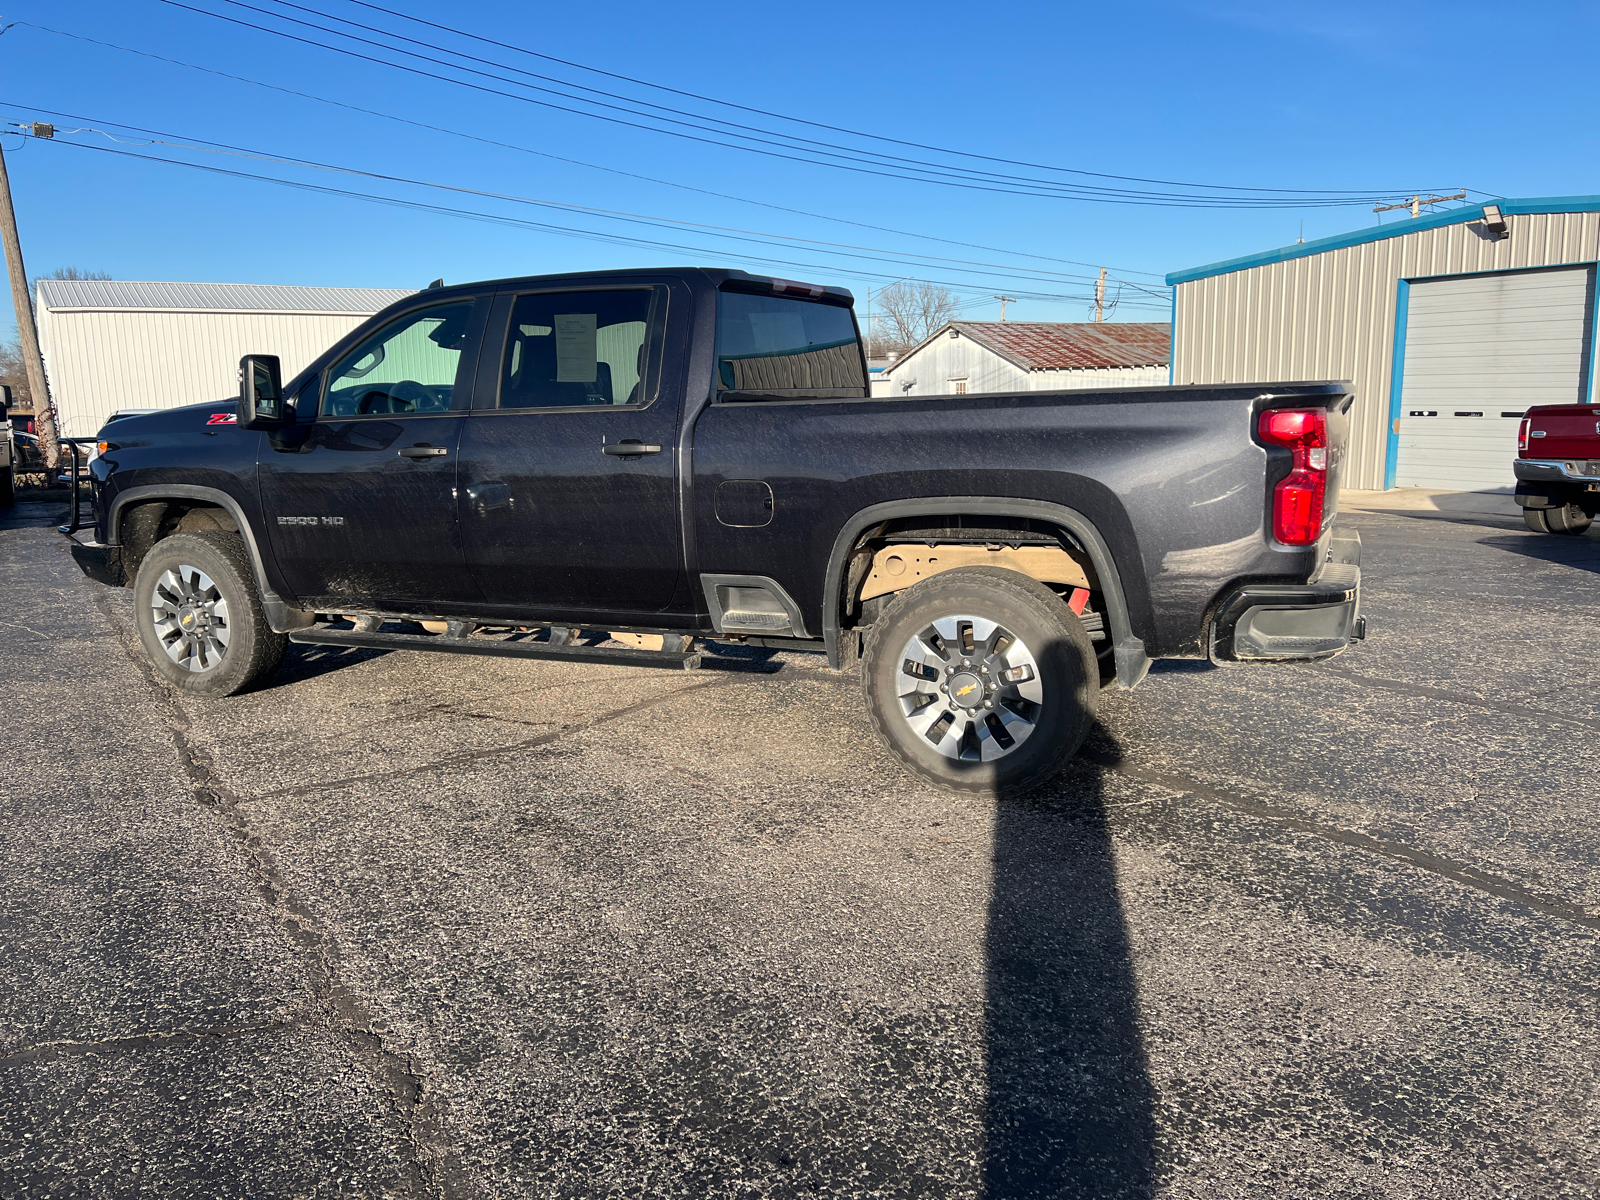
(1568, 519)
(8, 486)
(200, 616)
(980, 680)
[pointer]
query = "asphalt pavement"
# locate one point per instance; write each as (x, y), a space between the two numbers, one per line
(409, 925)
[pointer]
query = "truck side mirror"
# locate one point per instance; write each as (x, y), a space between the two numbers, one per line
(5, 402)
(260, 392)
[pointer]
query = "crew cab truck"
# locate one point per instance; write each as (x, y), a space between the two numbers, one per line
(1558, 467)
(676, 456)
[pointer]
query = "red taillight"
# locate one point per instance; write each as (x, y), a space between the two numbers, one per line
(1522, 434)
(1297, 500)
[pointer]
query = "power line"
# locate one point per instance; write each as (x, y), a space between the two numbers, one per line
(556, 157)
(869, 253)
(518, 222)
(777, 115)
(848, 159)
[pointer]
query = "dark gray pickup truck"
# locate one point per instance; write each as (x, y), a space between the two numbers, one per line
(681, 455)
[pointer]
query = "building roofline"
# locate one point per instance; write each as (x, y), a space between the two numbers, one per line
(60, 309)
(966, 329)
(1454, 216)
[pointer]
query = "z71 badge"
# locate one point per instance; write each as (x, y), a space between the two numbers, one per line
(223, 419)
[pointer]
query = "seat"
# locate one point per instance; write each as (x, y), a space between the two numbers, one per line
(534, 383)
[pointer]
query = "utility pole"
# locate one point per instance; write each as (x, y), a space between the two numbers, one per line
(44, 416)
(1100, 297)
(1416, 204)
(1003, 300)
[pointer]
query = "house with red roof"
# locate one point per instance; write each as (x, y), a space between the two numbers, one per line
(1012, 356)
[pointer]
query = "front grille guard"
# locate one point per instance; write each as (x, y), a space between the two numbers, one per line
(74, 520)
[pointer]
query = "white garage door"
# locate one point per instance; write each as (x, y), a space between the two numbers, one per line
(1478, 351)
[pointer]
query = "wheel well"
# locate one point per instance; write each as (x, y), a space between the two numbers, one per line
(144, 524)
(1038, 549)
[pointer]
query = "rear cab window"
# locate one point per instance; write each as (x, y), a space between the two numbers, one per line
(779, 348)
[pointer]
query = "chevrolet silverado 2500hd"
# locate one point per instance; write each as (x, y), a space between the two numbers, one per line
(692, 454)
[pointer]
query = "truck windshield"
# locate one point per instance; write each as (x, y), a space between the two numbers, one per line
(772, 345)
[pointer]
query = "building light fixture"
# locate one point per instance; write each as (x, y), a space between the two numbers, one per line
(1494, 221)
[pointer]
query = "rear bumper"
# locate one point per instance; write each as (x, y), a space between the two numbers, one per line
(1557, 470)
(1265, 622)
(103, 564)
(1551, 483)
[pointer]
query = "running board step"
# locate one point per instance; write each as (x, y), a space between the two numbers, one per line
(671, 660)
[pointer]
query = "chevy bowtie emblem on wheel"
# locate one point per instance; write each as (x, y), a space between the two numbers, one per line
(969, 688)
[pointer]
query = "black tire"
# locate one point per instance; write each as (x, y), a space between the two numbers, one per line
(225, 649)
(1064, 677)
(8, 486)
(1569, 519)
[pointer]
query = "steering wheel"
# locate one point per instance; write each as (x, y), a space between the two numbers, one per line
(413, 395)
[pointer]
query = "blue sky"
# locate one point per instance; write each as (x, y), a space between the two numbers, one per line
(1379, 97)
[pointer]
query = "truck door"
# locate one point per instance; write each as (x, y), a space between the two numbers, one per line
(360, 502)
(568, 495)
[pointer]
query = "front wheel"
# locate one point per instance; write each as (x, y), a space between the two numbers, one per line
(200, 616)
(980, 680)
(1568, 519)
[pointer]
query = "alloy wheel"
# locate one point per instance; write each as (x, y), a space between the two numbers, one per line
(191, 618)
(970, 688)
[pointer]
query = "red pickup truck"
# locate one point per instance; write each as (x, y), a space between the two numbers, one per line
(1558, 467)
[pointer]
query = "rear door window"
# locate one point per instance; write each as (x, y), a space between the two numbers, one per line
(786, 349)
(581, 349)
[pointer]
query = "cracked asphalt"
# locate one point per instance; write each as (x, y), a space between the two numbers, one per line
(404, 925)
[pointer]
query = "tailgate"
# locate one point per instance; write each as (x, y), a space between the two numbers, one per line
(1563, 431)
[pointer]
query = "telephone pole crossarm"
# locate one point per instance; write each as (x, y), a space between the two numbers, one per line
(1416, 204)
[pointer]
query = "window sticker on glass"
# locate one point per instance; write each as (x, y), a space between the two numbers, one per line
(575, 348)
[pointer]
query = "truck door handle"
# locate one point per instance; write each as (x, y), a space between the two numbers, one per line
(423, 450)
(630, 448)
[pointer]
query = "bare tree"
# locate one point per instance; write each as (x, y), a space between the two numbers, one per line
(14, 371)
(63, 273)
(911, 311)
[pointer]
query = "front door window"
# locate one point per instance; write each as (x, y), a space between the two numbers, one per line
(409, 366)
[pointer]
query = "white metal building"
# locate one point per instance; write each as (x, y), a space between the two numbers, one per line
(1449, 326)
(1011, 356)
(112, 344)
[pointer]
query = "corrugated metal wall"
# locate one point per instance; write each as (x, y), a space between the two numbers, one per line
(1331, 315)
(100, 361)
(946, 358)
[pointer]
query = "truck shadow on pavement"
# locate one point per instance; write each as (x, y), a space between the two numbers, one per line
(1581, 552)
(1070, 1101)
(33, 514)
